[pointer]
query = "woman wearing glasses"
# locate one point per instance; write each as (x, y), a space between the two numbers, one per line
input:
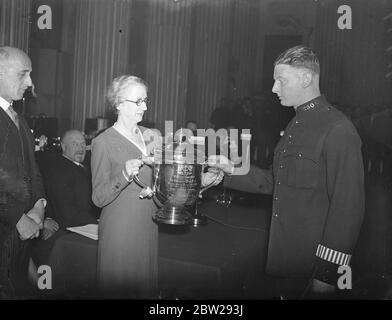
(128, 238)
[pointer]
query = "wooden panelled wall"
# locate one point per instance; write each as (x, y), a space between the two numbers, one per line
(168, 53)
(195, 53)
(224, 52)
(101, 52)
(15, 22)
(354, 62)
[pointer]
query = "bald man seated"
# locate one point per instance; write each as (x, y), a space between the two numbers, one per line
(67, 181)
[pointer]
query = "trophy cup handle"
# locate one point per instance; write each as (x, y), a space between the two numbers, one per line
(146, 192)
(209, 185)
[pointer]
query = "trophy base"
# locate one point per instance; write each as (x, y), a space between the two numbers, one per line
(173, 216)
(200, 220)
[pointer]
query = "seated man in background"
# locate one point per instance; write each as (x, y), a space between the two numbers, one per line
(68, 183)
(67, 180)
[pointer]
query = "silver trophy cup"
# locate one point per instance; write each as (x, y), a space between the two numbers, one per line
(176, 182)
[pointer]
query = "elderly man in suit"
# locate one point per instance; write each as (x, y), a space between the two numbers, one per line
(22, 201)
(67, 180)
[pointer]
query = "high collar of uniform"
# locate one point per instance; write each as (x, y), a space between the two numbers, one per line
(311, 105)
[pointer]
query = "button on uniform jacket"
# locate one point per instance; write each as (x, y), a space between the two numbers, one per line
(317, 181)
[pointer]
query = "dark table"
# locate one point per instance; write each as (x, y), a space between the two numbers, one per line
(214, 261)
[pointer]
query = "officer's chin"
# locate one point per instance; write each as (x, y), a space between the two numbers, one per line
(286, 104)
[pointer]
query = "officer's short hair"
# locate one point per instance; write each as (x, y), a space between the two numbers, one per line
(300, 57)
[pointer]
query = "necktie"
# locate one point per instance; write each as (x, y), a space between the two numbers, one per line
(13, 115)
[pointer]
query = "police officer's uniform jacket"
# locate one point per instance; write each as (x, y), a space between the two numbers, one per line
(318, 193)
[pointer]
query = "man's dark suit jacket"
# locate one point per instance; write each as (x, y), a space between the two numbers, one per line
(20, 187)
(68, 188)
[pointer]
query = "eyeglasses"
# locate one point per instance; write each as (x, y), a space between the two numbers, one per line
(139, 101)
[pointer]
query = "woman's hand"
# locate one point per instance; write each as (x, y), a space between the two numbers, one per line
(148, 160)
(221, 162)
(132, 167)
(233, 150)
(213, 176)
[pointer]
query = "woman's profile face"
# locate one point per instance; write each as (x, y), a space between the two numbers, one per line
(133, 103)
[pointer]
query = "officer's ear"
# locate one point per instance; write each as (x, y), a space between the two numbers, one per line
(307, 79)
(2, 71)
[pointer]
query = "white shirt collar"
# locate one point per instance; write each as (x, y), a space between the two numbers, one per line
(4, 103)
(120, 130)
(75, 162)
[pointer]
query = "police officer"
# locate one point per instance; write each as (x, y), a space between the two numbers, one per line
(317, 182)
